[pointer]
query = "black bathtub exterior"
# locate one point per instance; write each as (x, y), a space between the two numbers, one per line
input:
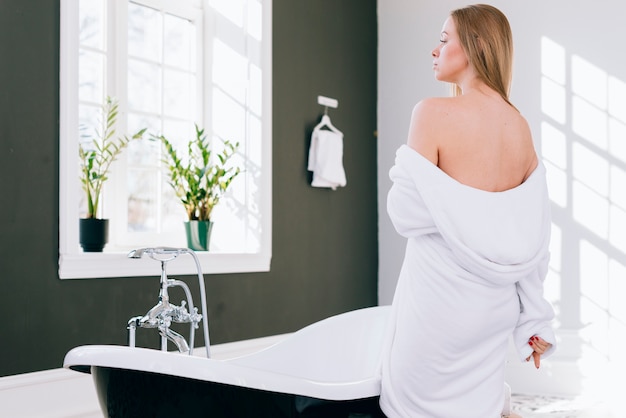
(132, 394)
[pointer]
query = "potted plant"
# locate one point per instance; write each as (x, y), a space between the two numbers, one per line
(96, 156)
(199, 181)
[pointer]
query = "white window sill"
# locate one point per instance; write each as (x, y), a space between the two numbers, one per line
(102, 265)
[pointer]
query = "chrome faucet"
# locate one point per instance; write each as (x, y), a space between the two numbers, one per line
(164, 313)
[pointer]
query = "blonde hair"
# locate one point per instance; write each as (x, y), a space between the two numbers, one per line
(486, 38)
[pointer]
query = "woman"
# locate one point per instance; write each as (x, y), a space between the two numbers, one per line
(469, 194)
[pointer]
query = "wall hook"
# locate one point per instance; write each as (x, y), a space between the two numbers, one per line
(327, 102)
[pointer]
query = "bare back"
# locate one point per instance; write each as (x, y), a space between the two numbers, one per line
(477, 139)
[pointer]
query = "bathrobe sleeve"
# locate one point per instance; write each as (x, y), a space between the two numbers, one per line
(536, 313)
(405, 206)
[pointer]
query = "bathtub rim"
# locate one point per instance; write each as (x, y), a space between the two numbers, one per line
(228, 371)
(82, 358)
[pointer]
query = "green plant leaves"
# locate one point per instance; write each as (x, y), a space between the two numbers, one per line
(198, 181)
(95, 163)
(201, 181)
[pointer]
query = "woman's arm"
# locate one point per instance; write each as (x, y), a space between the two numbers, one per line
(535, 318)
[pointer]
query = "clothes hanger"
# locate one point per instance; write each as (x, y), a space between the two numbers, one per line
(325, 122)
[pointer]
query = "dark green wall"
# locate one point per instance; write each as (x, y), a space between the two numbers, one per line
(324, 243)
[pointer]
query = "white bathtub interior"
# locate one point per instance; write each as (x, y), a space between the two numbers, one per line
(342, 348)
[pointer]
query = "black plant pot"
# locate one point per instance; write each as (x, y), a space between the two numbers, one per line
(93, 234)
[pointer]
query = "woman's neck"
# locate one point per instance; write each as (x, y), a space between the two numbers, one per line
(475, 86)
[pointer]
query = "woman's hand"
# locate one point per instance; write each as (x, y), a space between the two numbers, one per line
(539, 346)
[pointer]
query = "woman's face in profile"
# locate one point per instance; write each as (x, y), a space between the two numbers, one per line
(449, 59)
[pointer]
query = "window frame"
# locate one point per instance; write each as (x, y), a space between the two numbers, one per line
(75, 264)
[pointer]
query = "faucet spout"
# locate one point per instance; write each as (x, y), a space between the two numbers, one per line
(176, 338)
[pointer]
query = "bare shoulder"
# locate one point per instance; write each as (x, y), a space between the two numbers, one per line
(434, 107)
(528, 144)
(524, 126)
(427, 118)
(442, 112)
(519, 130)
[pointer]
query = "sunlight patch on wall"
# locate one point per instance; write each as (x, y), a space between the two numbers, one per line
(554, 153)
(593, 265)
(602, 309)
(589, 122)
(583, 146)
(553, 71)
(617, 308)
(552, 285)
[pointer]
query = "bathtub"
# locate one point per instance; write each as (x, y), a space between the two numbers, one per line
(327, 369)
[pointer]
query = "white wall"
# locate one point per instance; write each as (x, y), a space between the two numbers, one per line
(579, 125)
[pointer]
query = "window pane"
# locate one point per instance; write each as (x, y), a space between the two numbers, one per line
(91, 76)
(229, 117)
(179, 133)
(89, 119)
(172, 213)
(144, 86)
(255, 19)
(180, 43)
(91, 16)
(179, 94)
(144, 32)
(144, 152)
(230, 71)
(255, 97)
(233, 10)
(142, 207)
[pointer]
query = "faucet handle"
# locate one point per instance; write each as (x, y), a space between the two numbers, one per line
(195, 318)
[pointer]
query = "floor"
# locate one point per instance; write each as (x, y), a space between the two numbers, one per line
(528, 406)
(535, 407)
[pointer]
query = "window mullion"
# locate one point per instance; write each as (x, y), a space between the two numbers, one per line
(116, 194)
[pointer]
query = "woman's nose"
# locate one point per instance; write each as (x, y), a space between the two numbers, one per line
(435, 52)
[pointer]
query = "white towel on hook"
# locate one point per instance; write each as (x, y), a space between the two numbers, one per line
(326, 159)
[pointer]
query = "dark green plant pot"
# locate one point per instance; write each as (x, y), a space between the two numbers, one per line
(93, 234)
(198, 234)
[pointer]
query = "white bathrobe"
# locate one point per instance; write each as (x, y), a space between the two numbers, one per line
(472, 276)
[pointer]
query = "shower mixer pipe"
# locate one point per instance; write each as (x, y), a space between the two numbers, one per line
(164, 313)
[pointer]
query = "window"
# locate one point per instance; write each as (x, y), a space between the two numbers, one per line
(170, 65)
